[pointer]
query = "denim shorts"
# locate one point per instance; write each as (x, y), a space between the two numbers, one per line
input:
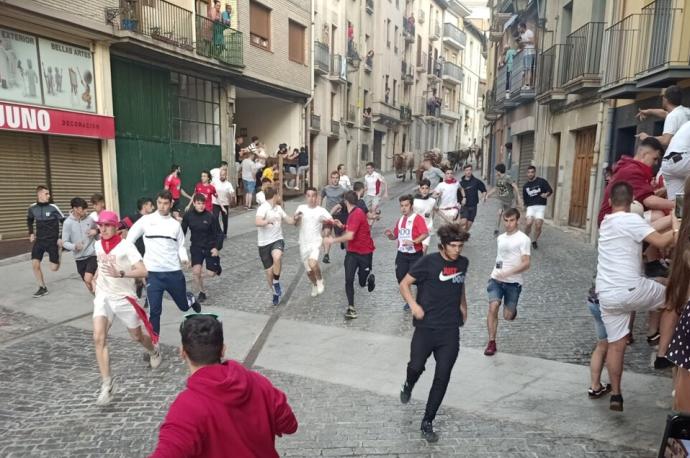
(599, 327)
(249, 186)
(509, 293)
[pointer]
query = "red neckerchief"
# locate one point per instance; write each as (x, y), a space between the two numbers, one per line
(451, 181)
(111, 243)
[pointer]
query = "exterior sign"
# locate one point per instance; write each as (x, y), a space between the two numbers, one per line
(20, 79)
(40, 120)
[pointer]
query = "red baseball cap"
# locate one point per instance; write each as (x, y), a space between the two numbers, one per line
(108, 218)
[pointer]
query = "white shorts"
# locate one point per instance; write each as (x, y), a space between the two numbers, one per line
(674, 174)
(616, 305)
(120, 307)
(536, 212)
(309, 252)
(451, 214)
(372, 202)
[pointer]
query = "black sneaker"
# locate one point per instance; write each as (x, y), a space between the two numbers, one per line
(661, 363)
(41, 291)
(654, 339)
(351, 313)
(371, 282)
(428, 433)
(326, 259)
(534, 245)
(201, 297)
(616, 402)
(596, 394)
(655, 269)
(405, 393)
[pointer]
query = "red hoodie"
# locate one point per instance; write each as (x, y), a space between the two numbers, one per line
(226, 410)
(637, 173)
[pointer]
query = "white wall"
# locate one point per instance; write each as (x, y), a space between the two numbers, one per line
(273, 121)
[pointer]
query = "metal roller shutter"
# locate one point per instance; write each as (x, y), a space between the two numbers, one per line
(75, 169)
(526, 157)
(22, 168)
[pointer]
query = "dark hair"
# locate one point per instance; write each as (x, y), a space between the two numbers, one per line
(371, 164)
(143, 201)
(406, 198)
(97, 197)
(425, 182)
(202, 339)
(621, 194)
(223, 163)
(165, 195)
(311, 188)
(674, 95)
(531, 167)
(653, 143)
(208, 174)
(174, 167)
(357, 186)
(254, 138)
(500, 168)
(266, 180)
(679, 277)
(237, 137)
(350, 197)
(511, 212)
(78, 202)
(40, 188)
(339, 166)
(509, 145)
(467, 166)
(451, 232)
(199, 198)
(270, 193)
(522, 24)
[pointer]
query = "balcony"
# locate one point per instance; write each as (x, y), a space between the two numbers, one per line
(370, 6)
(491, 110)
(583, 57)
(453, 36)
(315, 125)
(430, 106)
(435, 31)
(322, 58)
(408, 79)
(369, 63)
(366, 122)
(622, 41)
(421, 16)
(452, 73)
(338, 69)
(335, 129)
(156, 19)
(351, 115)
(385, 112)
(218, 41)
(551, 75)
(408, 30)
(421, 62)
(522, 79)
(664, 43)
(501, 87)
(405, 114)
(451, 113)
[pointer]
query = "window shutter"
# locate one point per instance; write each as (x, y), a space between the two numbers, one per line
(259, 20)
(296, 42)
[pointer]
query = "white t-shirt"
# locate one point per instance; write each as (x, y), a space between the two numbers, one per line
(511, 249)
(215, 174)
(676, 118)
(311, 224)
(528, 39)
(260, 197)
(680, 143)
(448, 194)
(370, 181)
(345, 182)
(272, 232)
(224, 190)
(93, 216)
(619, 264)
(248, 169)
(123, 257)
(424, 207)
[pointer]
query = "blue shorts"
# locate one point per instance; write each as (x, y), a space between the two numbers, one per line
(508, 293)
(598, 323)
(249, 186)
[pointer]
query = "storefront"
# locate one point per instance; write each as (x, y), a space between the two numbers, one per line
(50, 133)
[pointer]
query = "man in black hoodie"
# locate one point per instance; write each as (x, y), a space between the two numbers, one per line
(206, 241)
(46, 237)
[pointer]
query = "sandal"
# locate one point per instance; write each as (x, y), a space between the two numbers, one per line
(654, 339)
(596, 394)
(616, 402)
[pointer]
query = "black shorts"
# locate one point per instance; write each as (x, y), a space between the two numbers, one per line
(468, 213)
(199, 255)
(266, 250)
(87, 266)
(177, 207)
(41, 247)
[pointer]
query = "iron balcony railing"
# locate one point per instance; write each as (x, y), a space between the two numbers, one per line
(322, 57)
(335, 127)
(338, 67)
(315, 122)
(370, 6)
(451, 32)
(216, 40)
(453, 71)
(405, 113)
(664, 36)
(583, 51)
(501, 83)
(522, 75)
(551, 72)
(621, 42)
(157, 19)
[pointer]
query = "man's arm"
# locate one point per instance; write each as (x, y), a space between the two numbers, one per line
(136, 231)
(67, 243)
(663, 240)
(283, 416)
(664, 139)
(30, 222)
(656, 112)
(185, 223)
(406, 292)
(654, 202)
(463, 307)
(217, 234)
(178, 437)
(181, 251)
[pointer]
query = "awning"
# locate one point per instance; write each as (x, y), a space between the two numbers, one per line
(510, 22)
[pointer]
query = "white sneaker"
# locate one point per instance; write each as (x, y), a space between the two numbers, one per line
(314, 291)
(155, 359)
(320, 287)
(106, 394)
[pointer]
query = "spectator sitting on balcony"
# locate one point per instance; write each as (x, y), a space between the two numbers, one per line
(526, 41)
(226, 16)
(672, 112)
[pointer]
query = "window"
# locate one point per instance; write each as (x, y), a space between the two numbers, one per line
(296, 42)
(395, 40)
(388, 33)
(259, 25)
(195, 105)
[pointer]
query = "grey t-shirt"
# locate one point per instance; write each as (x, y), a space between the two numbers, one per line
(333, 196)
(434, 175)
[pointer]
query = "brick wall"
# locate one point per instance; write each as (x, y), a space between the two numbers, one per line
(93, 10)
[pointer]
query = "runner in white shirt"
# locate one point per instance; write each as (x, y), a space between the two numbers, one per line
(215, 172)
(447, 194)
(224, 197)
(374, 183)
(311, 218)
(505, 283)
(269, 219)
(344, 180)
(119, 264)
(424, 204)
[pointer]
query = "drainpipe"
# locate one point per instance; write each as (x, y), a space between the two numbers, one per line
(307, 118)
(595, 174)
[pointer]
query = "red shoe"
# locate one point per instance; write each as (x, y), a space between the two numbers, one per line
(490, 348)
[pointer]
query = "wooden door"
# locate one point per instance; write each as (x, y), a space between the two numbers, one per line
(584, 155)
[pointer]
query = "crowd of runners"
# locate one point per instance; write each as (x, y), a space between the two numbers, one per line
(137, 258)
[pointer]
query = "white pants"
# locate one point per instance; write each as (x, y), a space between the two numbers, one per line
(110, 307)
(536, 212)
(675, 174)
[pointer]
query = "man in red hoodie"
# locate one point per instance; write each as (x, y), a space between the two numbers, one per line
(226, 410)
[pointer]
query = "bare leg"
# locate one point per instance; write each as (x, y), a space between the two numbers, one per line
(528, 226)
(492, 320)
(596, 364)
(653, 318)
(88, 282)
(100, 334)
(316, 269)
(38, 273)
(468, 225)
(667, 327)
(269, 278)
(141, 337)
(312, 277)
(508, 314)
(614, 363)
(197, 280)
(537, 229)
(681, 402)
(277, 259)
(54, 267)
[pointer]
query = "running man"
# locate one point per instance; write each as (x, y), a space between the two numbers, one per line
(431, 173)
(205, 188)
(439, 310)
(505, 283)
(46, 237)
(474, 191)
(205, 242)
(424, 204)
(311, 218)
(447, 194)
(360, 251)
(534, 193)
(331, 198)
(507, 192)
(164, 242)
(119, 263)
(409, 231)
(173, 183)
(269, 219)
(225, 196)
(344, 180)
(374, 182)
(77, 238)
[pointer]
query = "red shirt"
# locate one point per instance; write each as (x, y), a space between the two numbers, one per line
(173, 184)
(208, 190)
(637, 173)
(357, 223)
(418, 228)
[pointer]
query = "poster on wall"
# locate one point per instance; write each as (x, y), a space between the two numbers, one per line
(19, 72)
(67, 73)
